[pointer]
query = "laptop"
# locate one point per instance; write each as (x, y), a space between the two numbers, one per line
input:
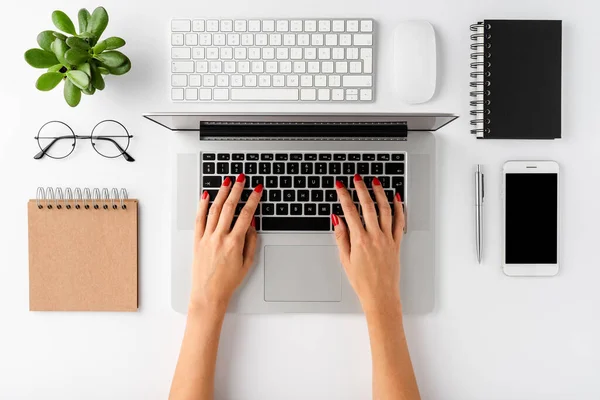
(298, 157)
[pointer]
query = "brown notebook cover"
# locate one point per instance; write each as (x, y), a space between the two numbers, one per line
(83, 259)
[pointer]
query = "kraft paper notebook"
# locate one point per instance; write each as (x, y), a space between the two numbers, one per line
(83, 250)
(516, 67)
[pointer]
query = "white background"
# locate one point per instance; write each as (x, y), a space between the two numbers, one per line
(490, 337)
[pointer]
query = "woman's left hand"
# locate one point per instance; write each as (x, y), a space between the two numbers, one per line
(223, 254)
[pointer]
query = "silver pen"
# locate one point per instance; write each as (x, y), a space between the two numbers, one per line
(479, 195)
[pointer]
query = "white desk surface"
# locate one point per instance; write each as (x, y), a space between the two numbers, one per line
(490, 337)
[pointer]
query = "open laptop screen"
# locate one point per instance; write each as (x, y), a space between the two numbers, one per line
(307, 125)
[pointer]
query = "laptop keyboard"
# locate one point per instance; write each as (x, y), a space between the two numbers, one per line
(299, 188)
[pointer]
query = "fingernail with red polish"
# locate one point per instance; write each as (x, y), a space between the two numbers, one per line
(376, 181)
(205, 195)
(259, 188)
(241, 178)
(339, 184)
(226, 182)
(253, 222)
(357, 178)
(398, 197)
(335, 220)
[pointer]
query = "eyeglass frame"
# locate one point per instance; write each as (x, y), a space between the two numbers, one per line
(44, 151)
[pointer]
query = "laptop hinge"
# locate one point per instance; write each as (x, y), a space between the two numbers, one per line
(308, 130)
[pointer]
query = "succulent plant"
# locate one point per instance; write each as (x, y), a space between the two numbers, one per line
(80, 60)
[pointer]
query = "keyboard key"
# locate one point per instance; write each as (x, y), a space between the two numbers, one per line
(289, 195)
(208, 168)
(296, 224)
(314, 182)
(208, 156)
(335, 168)
(296, 209)
(285, 181)
(354, 157)
(282, 209)
(368, 181)
(397, 157)
(321, 168)
(363, 168)
(357, 81)
(331, 196)
(324, 209)
(343, 180)
(398, 185)
(211, 181)
(279, 168)
(306, 168)
(293, 168)
(181, 25)
(394, 168)
(383, 157)
(264, 94)
(316, 196)
(281, 157)
(223, 157)
(310, 209)
(363, 39)
(390, 195)
(366, 26)
(266, 157)
(258, 180)
(250, 168)
(264, 168)
(252, 157)
(349, 168)
(368, 157)
(385, 181)
(237, 168)
(325, 157)
(339, 157)
(327, 182)
(275, 195)
(246, 194)
(222, 168)
(212, 194)
(272, 182)
(377, 168)
(337, 209)
(310, 157)
(299, 181)
(295, 157)
(268, 208)
(303, 195)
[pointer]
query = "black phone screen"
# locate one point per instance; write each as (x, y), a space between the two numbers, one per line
(531, 232)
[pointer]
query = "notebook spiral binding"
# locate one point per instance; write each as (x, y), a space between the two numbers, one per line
(480, 86)
(77, 198)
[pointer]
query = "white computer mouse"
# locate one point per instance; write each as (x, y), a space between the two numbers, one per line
(415, 61)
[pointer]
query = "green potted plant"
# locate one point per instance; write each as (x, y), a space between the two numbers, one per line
(80, 60)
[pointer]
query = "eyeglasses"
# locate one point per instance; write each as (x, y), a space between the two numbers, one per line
(109, 138)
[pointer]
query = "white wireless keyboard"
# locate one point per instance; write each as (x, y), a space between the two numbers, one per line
(272, 60)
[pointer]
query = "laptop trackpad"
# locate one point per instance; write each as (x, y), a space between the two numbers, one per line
(302, 273)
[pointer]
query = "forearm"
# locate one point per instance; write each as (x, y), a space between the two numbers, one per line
(195, 372)
(393, 375)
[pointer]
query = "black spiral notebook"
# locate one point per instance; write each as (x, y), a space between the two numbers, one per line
(516, 70)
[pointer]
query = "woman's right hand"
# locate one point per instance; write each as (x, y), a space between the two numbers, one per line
(370, 254)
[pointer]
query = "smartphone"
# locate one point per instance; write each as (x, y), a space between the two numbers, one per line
(531, 218)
